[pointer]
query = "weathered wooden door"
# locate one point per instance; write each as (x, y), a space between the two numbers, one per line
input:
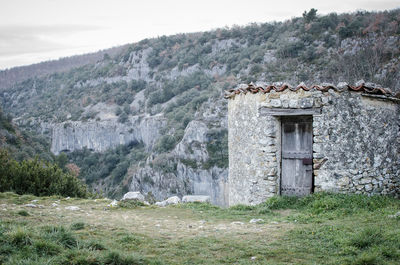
(296, 155)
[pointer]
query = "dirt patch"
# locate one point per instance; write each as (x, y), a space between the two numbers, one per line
(171, 222)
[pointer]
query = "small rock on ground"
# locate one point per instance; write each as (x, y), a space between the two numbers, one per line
(72, 208)
(396, 215)
(255, 221)
(31, 205)
(170, 200)
(114, 203)
(133, 195)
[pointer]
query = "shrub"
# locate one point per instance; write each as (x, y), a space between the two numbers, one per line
(130, 204)
(20, 237)
(115, 161)
(367, 258)
(37, 177)
(242, 207)
(366, 238)
(290, 50)
(23, 213)
(217, 148)
(137, 85)
(280, 202)
(60, 235)
(123, 117)
(116, 258)
(166, 143)
(119, 172)
(95, 245)
(78, 226)
(310, 15)
(46, 248)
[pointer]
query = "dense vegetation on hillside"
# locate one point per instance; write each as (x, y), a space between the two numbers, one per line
(10, 76)
(38, 177)
(21, 144)
(183, 76)
(304, 49)
(28, 167)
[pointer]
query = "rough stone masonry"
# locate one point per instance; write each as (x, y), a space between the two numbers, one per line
(355, 132)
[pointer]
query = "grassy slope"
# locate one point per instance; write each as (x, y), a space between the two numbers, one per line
(319, 229)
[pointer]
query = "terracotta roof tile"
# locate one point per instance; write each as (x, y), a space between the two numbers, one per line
(360, 86)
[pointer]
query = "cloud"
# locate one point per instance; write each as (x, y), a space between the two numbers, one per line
(23, 39)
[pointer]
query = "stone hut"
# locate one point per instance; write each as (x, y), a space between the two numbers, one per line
(297, 140)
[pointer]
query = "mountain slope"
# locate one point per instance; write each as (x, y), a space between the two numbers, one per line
(11, 76)
(156, 113)
(21, 144)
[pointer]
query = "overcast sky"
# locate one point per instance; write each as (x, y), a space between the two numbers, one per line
(32, 31)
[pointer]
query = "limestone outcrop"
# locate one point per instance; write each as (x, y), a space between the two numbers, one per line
(101, 135)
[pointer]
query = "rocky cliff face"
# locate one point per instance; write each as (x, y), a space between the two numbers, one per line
(181, 171)
(101, 135)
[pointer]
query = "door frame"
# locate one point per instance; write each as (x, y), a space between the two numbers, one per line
(280, 132)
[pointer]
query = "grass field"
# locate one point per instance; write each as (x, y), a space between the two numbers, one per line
(317, 229)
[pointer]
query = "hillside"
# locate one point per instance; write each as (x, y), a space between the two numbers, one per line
(14, 75)
(152, 117)
(22, 144)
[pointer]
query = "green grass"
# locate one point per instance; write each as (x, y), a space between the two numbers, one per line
(130, 204)
(78, 226)
(318, 229)
(21, 244)
(23, 213)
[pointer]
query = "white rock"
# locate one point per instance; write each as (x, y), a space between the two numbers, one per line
(114, 203)
(170, 200)
(255, 221)
(31, 205)
(54, 204)
(161, 204)
(196, 198)
(72, 208)
(396, 215)
(173, 200)
(360, 82)
(133, 195)
(34, 201)
(237, 223)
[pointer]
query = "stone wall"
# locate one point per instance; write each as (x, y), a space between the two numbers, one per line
(356, 143)
(252, 141)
